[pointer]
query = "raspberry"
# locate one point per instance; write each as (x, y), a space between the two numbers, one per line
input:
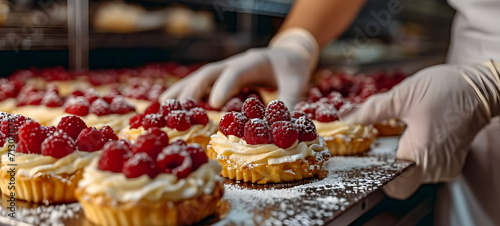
(253, 108)
(234, 104)
(308, 108)
(233, 123)
(197, 154)
(136, 121)
(52, 99)
(78, 106)
(257, 131)
(160, 135)
(100, 107)
(108, 132)
(49, 130)
(30, 97)
(31, 135)
(175, 160)
(179, 120)
(153, 121)
(277, 111)
(307, 129)
(198, 116)
(120, 106)
(297, 114)
(284, 134)
(188, 104)
(58, 145)
(78, 93)
(72, 125)
(140, 164)
(90, 140)
(314, 95)
(91, 95)
(326, 113)
(179, 142)
(336, 99)
(154, 108)
(114, 156)
(11, 125)
(148, 143)
(3, 139)
(168, 106)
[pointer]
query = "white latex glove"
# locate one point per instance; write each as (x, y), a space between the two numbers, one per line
(444, 107)
(286, 64)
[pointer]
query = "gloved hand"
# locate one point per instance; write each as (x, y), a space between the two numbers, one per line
(286, 64)
(444, 107)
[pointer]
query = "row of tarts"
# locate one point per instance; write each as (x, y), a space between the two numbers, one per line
(124, 157)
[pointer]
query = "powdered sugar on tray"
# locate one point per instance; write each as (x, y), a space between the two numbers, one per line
(42, 215)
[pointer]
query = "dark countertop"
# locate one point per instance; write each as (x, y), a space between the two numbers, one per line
(351, 187)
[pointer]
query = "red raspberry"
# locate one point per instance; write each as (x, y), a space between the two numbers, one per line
(140, 164)
(153, 121)
(307, 129)
(78, 93)
(52, 99)
(90, 140)
(297, 114)
(284, 134)
(253, 108)
(314, 95)
(30, 97)
(3, 139)
(148, 143)
(31, 135)
(179, 142)
(100, 107)
(120, 106)
(257, 131)
(170, 105)
(160, 135)
(188, 104)
(136, 121)
(175, 160)
(11, 125)
(179, 120)
(154, 108)
(197, 154)
(234, 104)
(114, 156)
(198, 116)
(336, 99)
(308, 108)
(233, 123)
(49, 130)
(72, 125)
(108, 133)
(326, 113)
(78, 106)
(91, 95)
(58, 145)
(277, 111)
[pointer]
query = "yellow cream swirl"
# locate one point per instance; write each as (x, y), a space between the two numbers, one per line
(39, 113)
(164, 186)
(239, 151)
(338, 128)
(173, 134)
(32, 164)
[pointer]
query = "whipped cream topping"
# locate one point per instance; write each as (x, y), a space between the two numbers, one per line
(8, 105)
(173, 134)
(341, 129)
(164, 186)
(238, 150)
(39, 113)
(32, 164)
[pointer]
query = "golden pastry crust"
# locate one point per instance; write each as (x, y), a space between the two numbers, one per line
(265, 173)
(43, 188)
(102, 210)
(340, 146)
(201, 140)
(388, 130)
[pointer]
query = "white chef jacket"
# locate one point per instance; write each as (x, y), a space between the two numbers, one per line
(474, 198)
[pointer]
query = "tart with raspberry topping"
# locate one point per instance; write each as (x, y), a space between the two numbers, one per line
(150, 182)
(8, 92)
(42, 105)
(97, 110)
(266, 145)
(341, 138)
(50, 160)
(181, 120)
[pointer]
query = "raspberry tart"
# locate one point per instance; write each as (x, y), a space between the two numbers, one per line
(42, 105)
(50, 160)
(8, 92)
(150, 182)
(181, 120)
(266, 145)
(98, 111)
(341, 138)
